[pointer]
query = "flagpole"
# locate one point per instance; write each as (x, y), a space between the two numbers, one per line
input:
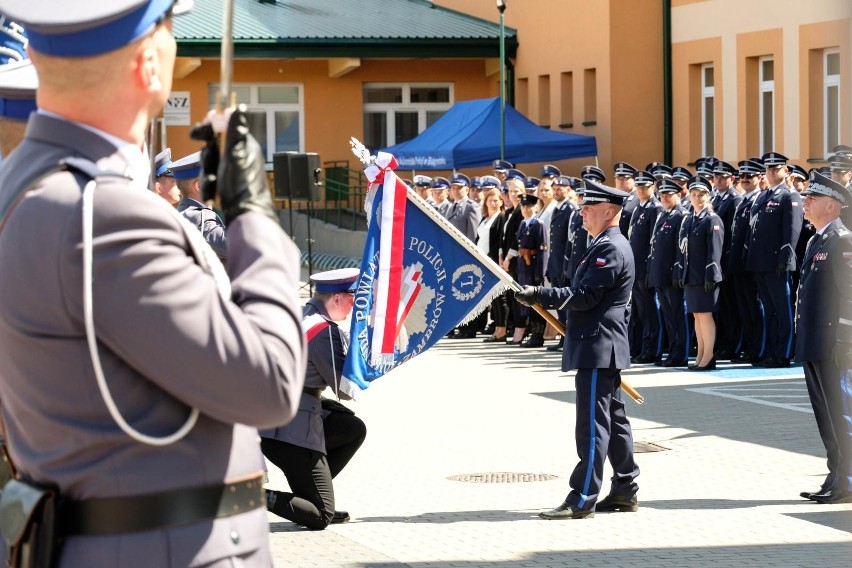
(500, 273)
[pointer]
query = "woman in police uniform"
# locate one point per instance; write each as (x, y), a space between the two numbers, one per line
(701, 239)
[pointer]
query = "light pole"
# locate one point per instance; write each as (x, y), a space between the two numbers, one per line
(501, 6)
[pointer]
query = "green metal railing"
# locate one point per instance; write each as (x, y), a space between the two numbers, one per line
(345, 190)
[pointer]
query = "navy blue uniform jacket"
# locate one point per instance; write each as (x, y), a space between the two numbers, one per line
(664, 247)
(824, 306)
(726, 207)
(776, 221)
(598, 305)
(560, 247)
(639, 234)
(702, 251)
(740, 235)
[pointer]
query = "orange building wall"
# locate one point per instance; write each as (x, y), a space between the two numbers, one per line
(333, 108)
(686, 110)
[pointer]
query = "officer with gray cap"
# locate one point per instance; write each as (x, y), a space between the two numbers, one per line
(134, 373)
(313, 448)
(186, 172)
(824, 332)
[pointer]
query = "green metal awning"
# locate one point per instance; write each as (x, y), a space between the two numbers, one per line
(374, 29)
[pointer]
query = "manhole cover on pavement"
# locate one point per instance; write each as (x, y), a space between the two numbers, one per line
(645, 447)
(502, 477)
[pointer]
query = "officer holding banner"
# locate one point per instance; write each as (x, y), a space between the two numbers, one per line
(134, 373)
(598, 305)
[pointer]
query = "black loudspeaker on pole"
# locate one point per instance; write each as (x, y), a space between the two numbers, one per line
(297, 176)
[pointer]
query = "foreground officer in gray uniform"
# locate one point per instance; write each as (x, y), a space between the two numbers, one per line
(598, 304)
(186, 172)
(320, 441)
(170, 476)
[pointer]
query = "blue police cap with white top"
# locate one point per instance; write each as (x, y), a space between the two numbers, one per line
(599, 193)
(577, 184)
(750, 168)
(623, 169)
(501, 165)
(13, 41)
(797, 171)
(439, 182)
(644, 178)
(773, 160)
(668, 186)
(188, 167)
(722, 168)
(83, 29)
(550, 170)
(475, 182)
(335, 281)
(512, 173)
(18, 84)
(841, 162)
(704, 166)
(681, 173)
(422, 181)
(163, 163)
(532, 183)
(700, 183)
(460, 179)
(487, 182)
(824, 185)
(564, 181)
(594, 173)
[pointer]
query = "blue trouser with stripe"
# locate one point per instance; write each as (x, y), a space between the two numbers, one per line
(774, 292)
(675, 320)
(831, 400)
(649, 321)
(602, 431)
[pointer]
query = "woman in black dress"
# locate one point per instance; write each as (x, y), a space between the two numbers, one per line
(701, 239)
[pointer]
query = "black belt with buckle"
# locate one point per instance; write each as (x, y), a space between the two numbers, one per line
(313, 391)
(118, 515)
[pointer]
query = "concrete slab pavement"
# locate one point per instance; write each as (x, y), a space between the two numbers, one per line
(738, 448)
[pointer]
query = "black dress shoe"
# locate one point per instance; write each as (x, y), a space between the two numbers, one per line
(620, 503)
(566, 511)
(534, 340)
(724, 356)
(554, 348)
(340, 517)
(662, 362)
(807, 494)
(776, 363)
(463, 335)
(494, 339)
(832, 497)
(645, 359)
(675, 363)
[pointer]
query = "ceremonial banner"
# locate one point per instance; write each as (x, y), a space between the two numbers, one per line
(420, 278)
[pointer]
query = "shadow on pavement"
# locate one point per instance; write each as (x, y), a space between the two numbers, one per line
(708, 415)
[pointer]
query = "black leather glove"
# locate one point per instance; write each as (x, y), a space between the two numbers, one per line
(333, 406)
(709, 286)
(241, 181)
(842, 355)
(677, 283)
(209, 159)
(781, 269)
(528, 296)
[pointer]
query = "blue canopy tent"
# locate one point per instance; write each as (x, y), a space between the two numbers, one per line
(468, 135)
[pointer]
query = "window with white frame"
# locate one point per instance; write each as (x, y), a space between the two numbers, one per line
(708, 110)
(831, 98)
(274, 113)
(396, 112)
(766, 80)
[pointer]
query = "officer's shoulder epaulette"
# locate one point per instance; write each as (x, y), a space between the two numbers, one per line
(842, 231)
(605, 239)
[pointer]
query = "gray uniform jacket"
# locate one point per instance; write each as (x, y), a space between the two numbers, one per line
(167, 342)
(465, 215)
(326, 353)
(210, 225)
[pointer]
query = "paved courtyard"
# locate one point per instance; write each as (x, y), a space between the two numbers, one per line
(724, 457)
